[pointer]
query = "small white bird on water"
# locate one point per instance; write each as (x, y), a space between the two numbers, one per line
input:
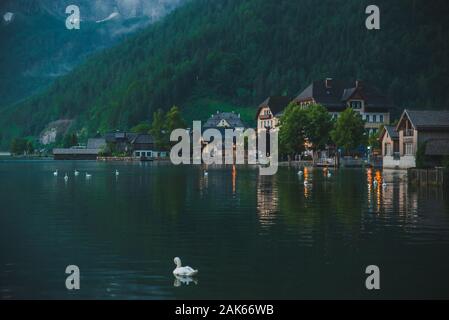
(306, 183)
(117, 173)
(300, 173)
(183, 271)
(88, 175)
(206, 173)
(55, 173)
(329, 174)
(66, 177)
(76, 173)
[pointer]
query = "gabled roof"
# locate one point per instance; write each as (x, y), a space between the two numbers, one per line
(391, 130)
(143, 138)
(231, 118)
(339, 92)
(426, 119)
(277, 104)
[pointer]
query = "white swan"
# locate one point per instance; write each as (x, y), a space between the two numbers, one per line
(183, 271)
(88, 175)
(116, 173)
(329, 174)
(66, 177)
(55, 173)
(206, 173)
(76, 173)
(300, 172)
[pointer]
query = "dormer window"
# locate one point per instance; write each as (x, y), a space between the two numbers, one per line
(356, 104)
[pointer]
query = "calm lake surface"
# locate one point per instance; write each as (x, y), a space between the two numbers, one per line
(250, 236)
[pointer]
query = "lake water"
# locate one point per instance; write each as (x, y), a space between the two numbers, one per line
(250, 236)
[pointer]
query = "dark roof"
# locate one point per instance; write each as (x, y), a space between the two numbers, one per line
(76, 151)
(392, 132)
(143, 139)
(231, 118)
(427, 119)
(339, 92)
(437, 147)
(277, 104)
(117, 136)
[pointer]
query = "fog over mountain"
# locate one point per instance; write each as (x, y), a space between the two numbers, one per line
(36, 47)
(93, 10)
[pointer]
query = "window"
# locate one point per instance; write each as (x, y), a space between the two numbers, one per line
(375, 118)
(388, 149)
(381, 118)
(368, 118)
(409, 149)
(356, 104)
(137, 154)
(149, 154)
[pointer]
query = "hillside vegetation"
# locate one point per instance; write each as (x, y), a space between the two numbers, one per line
(236, 53)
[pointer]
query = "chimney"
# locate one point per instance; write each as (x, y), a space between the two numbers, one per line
(358, 83)
(328, 83)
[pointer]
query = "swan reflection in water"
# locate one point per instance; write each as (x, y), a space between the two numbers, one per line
(184, 280)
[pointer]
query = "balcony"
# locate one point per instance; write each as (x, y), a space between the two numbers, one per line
(265, 117)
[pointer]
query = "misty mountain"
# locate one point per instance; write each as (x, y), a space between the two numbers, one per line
(36, 47)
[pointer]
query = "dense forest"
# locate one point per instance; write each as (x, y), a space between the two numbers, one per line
(232, 54)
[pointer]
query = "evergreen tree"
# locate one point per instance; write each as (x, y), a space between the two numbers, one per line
(143, 127)
(174, 120)
(158, 130)
(70, 140)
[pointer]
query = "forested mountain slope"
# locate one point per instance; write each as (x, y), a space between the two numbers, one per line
(236, 53)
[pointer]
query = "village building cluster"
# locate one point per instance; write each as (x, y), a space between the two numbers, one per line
(417, 131)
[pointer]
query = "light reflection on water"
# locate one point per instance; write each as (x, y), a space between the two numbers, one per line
(248, 234)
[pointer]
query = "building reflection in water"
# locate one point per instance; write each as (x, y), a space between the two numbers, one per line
(203, 181)
(395, 197)
(369, 178)
(267, 199)
(234, 178)
(307, 183)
